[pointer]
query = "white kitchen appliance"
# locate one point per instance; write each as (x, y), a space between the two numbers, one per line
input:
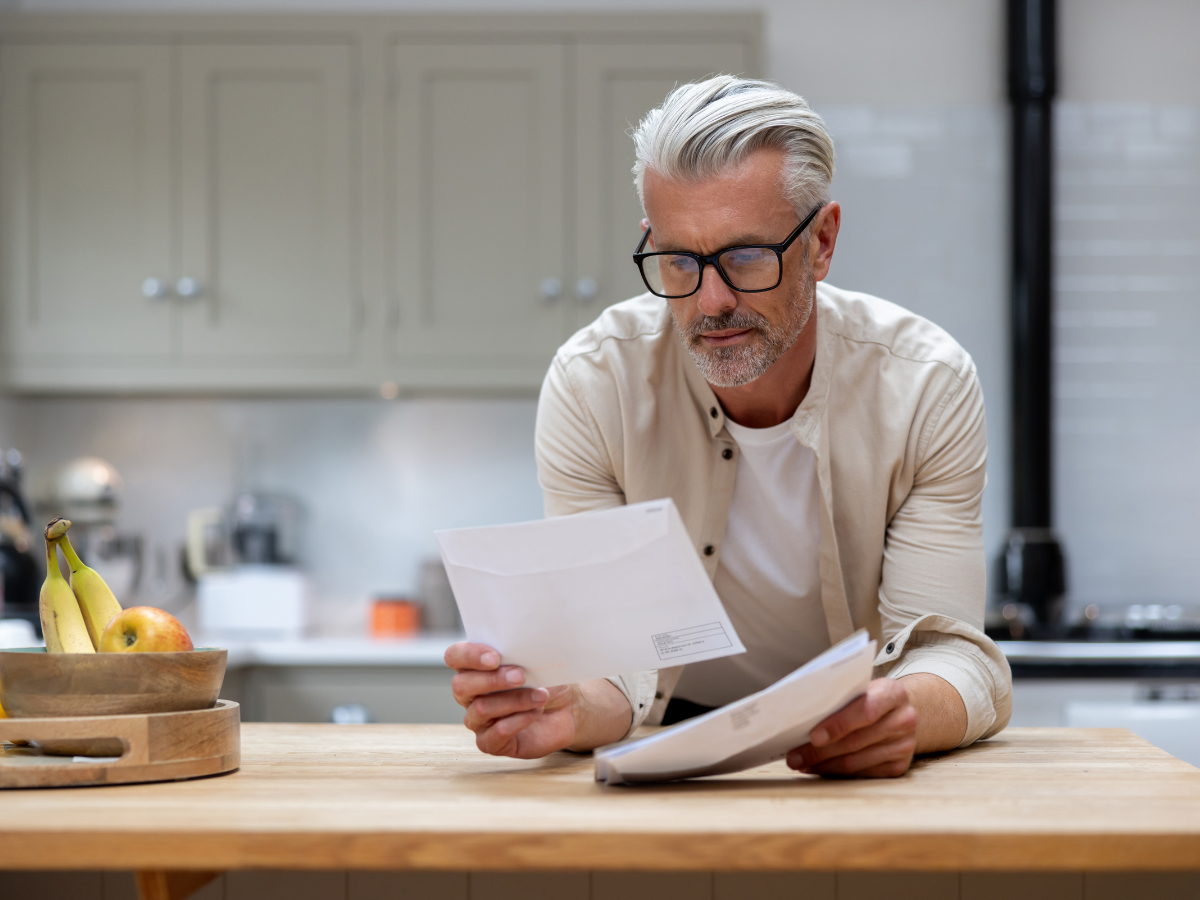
(256, 602)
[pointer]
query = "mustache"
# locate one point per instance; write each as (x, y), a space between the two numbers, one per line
(733, 320)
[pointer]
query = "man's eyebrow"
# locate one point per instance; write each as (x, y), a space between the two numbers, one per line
(738, 240)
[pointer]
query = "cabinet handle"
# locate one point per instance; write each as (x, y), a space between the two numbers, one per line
(551, 289)
(188, 288)
(586, 289)
(155, 288)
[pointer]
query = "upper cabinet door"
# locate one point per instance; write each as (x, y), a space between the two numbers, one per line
(268, 185)
(616, 85)
(476, 240)
(85, 200)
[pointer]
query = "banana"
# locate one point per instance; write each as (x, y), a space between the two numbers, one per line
(62, 620)
(97, 602)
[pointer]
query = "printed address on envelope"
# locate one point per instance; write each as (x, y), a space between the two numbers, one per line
(690, 641)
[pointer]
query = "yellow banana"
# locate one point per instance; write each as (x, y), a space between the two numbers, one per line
(96, 600)
(62, 620)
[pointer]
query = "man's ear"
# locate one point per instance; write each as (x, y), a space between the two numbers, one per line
(824, 239)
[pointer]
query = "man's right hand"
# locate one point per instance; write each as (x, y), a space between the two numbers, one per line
(529, 723)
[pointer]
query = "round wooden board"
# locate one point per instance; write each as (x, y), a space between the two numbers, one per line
(156, 747)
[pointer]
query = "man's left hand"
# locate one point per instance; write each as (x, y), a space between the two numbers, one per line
(874, 736)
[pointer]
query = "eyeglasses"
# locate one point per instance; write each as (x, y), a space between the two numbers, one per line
(749, 270)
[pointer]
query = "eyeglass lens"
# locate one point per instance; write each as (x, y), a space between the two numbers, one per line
(747, 268)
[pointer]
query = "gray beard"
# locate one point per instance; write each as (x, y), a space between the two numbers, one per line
(728, 367)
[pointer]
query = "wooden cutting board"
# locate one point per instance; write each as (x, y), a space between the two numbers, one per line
(85, 750)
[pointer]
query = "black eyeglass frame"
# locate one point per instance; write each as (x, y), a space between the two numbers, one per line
(713, 260)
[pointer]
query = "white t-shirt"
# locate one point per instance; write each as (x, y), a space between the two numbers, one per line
(768, 576)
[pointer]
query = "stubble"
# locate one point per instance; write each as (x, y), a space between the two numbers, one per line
(728, 367)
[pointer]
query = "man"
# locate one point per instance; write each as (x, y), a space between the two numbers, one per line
(826, 451)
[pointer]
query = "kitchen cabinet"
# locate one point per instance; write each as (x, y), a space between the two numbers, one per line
(391, 694)
(288, 203)
(477, 171)
(267, 190)
(178, 217)
(86, 217)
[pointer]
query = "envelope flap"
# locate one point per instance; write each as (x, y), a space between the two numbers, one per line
(551, 545)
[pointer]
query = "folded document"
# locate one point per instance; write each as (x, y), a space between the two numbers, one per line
(589, 595)
(752, 731)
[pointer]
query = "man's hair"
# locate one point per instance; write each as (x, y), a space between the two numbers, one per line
(703, 128)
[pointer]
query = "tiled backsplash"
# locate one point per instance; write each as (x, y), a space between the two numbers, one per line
(1127, 322)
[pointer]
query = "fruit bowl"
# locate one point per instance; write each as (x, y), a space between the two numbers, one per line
(34, 683)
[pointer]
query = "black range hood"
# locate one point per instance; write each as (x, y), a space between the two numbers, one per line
(1031, 568)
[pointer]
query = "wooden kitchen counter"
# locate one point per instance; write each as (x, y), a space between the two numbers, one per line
(422, 797)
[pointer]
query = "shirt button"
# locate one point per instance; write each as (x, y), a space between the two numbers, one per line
(708, 549)
(890, 647)
(726, 453)
(713, 412)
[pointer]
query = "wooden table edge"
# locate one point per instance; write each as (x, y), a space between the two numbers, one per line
(584, 851)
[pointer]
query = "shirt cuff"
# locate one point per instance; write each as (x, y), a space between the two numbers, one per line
(965, 658)
(639, 689)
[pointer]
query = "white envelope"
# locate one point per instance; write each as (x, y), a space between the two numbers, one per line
(590, 595)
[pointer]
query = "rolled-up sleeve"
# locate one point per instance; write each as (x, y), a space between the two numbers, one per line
(933, 587)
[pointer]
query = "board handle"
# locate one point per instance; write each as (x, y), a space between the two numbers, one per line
(131, 731)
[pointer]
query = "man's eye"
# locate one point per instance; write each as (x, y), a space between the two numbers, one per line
(747, 257)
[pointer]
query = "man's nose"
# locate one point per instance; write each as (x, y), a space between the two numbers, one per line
(715, 296)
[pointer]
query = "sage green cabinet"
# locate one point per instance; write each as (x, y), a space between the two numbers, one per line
(85, 210)
(179, 217)
(477, 165)
(287, 203)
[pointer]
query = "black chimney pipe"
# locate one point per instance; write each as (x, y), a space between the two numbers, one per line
(1031, 569)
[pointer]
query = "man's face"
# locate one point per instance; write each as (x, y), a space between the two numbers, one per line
(733, 337)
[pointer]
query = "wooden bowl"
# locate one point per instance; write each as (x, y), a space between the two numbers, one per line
(35, 683)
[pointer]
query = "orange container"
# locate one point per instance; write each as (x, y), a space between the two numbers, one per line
(395, 618)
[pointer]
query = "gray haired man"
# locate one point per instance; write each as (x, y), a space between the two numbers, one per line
(826, 450)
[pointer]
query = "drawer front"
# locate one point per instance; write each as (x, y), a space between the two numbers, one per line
(404, 695)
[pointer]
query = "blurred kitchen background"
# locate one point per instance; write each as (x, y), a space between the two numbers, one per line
(322, 261)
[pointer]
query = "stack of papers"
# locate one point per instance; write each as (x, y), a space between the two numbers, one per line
(590, 595)
(755, 730)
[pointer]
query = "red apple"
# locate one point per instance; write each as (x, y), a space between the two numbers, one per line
(144, 629)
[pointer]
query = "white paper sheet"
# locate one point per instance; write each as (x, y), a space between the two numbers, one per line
(589, 595)
(752, 731)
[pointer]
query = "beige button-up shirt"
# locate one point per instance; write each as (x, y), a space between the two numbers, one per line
(895, 418)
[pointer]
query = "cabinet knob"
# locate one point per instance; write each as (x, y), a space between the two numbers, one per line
(189, 287)
(155, 288)
(551, 289)
(586, 289)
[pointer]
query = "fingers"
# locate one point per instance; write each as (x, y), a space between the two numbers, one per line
(464, 655)
(888, 759)
(502, 738)
(485, 710)
(873, 736)
(882, 696)
(467, 685)
(897, 723)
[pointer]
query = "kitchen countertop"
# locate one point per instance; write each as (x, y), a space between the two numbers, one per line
(1099, 659)
(422, 797)
(424, 650)
(427, 650)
